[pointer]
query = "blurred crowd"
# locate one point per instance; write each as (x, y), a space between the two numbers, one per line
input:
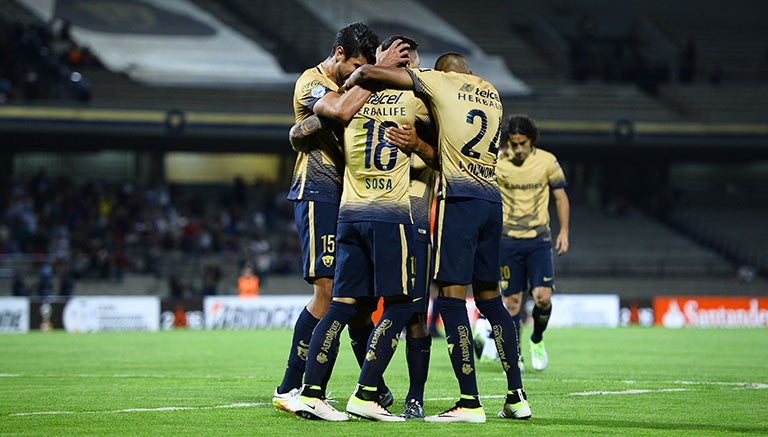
(189, 235)
(41, 61)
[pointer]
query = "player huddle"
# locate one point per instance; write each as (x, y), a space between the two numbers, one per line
(383, 189)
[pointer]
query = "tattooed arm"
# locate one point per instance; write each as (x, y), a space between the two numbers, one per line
(303, 129)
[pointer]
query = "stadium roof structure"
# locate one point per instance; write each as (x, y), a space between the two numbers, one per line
(247, 103)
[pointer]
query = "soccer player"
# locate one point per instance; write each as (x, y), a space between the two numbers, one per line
(418, 340)
(468, 113)
(527, 175)
(316, 184)
(374, 243)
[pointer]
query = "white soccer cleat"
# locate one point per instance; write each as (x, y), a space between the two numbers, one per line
(516, 410)
(539, 358)
(370, 410)
(459, 414)
(279, 400)
(314, 409)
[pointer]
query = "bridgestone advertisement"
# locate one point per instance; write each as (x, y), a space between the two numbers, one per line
(232, 312)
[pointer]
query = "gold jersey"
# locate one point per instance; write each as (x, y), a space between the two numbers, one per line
(377, 174)
(467, 112)
(317, 173)
(525, 192)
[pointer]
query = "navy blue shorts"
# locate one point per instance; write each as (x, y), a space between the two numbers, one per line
(467, 239)
(316, 226)
(373, 260)
(525, 265)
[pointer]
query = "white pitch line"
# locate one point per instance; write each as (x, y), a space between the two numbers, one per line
(734, 385)
(215, 407)
(144, 410)
(629, 392)
(752, 385)
(130, 376)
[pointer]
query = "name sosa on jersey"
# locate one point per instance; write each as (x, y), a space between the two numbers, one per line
(378, 183)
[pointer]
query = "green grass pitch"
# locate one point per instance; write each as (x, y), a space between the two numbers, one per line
(625, 381)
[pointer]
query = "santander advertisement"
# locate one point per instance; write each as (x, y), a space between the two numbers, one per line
(726, 312)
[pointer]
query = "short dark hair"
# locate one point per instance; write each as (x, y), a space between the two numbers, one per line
(357, 39)
(519, 124)
(412, 45)
(452, 61)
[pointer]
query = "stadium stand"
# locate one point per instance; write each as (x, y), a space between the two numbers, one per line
(689, 245)
(632, 244)
(39, 62)
(725, 210)
(534, 37)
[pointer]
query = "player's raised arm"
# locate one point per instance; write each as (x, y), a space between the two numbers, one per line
(343, 105)
(389, 76)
